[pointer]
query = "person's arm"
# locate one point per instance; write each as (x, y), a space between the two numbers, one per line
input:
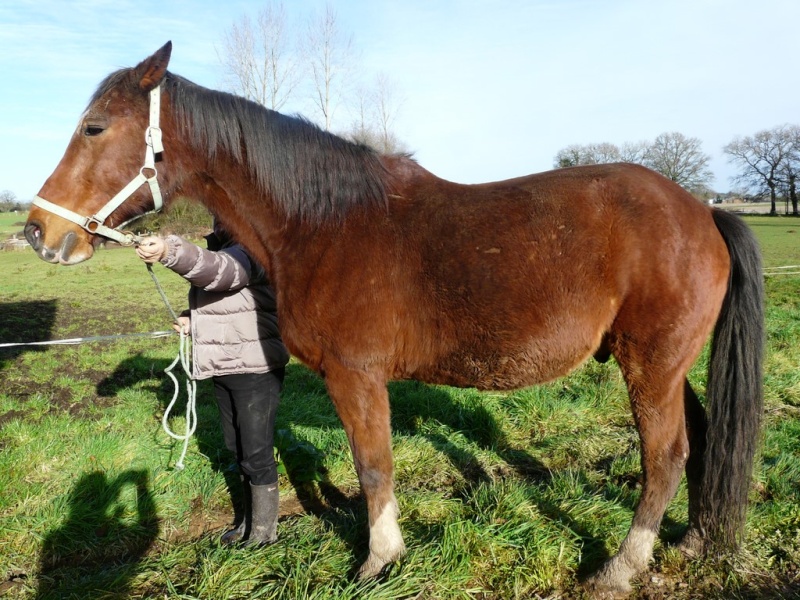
(226, 270)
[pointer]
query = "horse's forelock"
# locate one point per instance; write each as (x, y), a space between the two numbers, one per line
(115, 80)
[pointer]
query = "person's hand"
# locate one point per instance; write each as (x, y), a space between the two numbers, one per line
(152, 249)
(183, 324)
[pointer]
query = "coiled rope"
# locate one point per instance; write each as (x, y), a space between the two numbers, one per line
(184, 359)
(191, 397)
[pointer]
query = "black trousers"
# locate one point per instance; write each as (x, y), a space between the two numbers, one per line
(247, 406)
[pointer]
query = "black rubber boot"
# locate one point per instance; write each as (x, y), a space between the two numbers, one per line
(238, 533)
(264, 523)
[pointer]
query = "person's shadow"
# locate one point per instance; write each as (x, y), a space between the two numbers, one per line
(110, 525)
(138, 371)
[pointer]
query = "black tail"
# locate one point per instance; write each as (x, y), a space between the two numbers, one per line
(734, 396)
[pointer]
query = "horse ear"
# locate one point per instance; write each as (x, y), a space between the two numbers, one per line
(152, 69)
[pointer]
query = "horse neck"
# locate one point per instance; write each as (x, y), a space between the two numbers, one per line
(231, 195)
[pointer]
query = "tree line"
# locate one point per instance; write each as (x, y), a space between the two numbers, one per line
(273, 60)
(767, 162)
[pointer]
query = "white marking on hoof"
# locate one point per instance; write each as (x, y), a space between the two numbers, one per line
(614, 577)
(385, 542)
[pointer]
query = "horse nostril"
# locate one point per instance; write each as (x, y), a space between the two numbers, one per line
(33, 233)
(68, 245)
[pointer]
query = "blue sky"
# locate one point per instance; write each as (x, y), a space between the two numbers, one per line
(491, 89)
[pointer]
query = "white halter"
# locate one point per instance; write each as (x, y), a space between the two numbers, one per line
(94, 224)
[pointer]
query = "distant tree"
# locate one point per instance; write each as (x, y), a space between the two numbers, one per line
(571, 156)
(762, 160)
(376, 111)
(633, 152)
(790, 170)
(272, 60)
(8, 201)
(589, 154)
(328, 54)
(672, 154)
(258, 60)
(680, 159)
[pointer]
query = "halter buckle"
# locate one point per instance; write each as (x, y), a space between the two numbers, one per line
(92, 224)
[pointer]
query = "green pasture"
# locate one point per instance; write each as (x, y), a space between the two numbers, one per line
(11, 223)
(502, 495)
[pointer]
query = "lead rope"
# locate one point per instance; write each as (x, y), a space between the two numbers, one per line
(184, 359)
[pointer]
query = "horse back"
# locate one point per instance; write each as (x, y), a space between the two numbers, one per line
(512, 283)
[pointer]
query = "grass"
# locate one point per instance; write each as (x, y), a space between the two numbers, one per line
(515, 495)
(11, 223)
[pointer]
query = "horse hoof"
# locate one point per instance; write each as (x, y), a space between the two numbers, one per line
(376, 565)
(372, 567)
(692, 544)
(600, 588)
(612, 580)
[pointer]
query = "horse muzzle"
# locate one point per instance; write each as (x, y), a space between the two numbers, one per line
(63, 252)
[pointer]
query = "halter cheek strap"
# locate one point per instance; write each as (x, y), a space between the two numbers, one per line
(95, 224)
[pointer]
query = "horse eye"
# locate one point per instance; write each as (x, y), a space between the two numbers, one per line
(92, 130)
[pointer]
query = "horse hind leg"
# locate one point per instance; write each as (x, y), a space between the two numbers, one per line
(658, 409)
(693, 542)
(362, 403)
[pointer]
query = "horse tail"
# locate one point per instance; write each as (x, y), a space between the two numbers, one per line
(734, 399)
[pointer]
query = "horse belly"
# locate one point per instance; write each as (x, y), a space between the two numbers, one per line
(537, 361)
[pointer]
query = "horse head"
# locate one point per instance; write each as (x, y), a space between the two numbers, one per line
(99, 184)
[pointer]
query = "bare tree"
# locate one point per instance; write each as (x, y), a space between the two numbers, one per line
(680, 159)
(8, 201)
(789, 171)
(671, 154)
(633, 152)
(589, 154)
(262, 61)
(257, 57)
(760, 159)
(329, 56)
(376, 111)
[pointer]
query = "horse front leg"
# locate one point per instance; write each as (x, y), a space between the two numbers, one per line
(362, 403)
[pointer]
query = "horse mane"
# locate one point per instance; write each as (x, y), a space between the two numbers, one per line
(308, 172)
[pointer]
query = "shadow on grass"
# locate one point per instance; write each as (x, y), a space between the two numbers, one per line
(131, 372)
(25, 322)
(415, 407)
(98, 542)
(417, 403)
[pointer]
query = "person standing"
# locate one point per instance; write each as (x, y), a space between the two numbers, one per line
(233, 322)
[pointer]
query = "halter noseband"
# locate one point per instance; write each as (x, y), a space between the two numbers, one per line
(95, 223)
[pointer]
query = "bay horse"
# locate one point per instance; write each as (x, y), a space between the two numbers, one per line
(384, 271)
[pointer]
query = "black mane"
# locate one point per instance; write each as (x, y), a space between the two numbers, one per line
(310, 173)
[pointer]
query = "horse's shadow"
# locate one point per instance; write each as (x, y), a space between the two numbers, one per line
(99, 539)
